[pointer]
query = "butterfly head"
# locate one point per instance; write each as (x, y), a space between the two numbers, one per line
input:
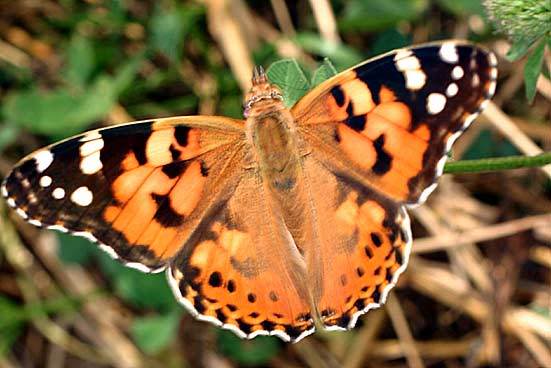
(262, 96)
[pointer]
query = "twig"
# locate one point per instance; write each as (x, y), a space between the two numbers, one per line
(401, 327)
(285, 48)
(541, 255)
(539, 351)
(314, 356)
(361, 347)
(225, 28)
(14, 56)
(325, 19)
(497, 164)
(436, 349)
(283, 18)
(501, 230)
(543, 86)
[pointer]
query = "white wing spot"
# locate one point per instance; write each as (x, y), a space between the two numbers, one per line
(402, 53)
(457, 72)
(32, 198)
(452, 90)
(493, 73)
(43, 160)
(415, 79)
(91, 146)
(90, 136)
(436, 103)
(35, 222)
(4, 191)
(58, 228)
(82, 196)
(448, 53)
(410, 66)
(22, 213)
(45, 181)
(493, 59)
(476, 80)
(408, 63)
(58, 193)
(91, 164)
(11, 202)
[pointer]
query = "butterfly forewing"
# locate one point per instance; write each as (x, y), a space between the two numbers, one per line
(390, 121)
(137, 189)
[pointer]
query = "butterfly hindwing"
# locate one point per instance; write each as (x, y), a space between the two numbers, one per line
(390, 121)
(243, 271)
(360, 246)
(136, 189)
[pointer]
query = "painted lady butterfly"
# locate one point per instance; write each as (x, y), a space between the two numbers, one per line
(267, 224)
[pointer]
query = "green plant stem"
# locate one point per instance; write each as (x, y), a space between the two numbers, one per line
(497, 164)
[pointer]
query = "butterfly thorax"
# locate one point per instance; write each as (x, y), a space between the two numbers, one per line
(272, 135)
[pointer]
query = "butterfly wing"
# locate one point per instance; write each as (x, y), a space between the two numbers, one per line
(244, 272)
(360, 245)
(139, 189)
(390, 121)
(378, 135)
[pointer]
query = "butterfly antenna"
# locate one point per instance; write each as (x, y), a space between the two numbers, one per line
(259, 75)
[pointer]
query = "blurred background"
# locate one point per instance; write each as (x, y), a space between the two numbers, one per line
(477, 292)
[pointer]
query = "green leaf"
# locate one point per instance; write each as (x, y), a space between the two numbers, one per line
(59, 112)
(63, 112)
(8, 337)
(8, 135)
(290, 78)
(140, 289)
(74, 249)
(325, 71)
(518, 49)
(387, 41)
(532, 70)
(10, 313)
(154, 334)
(255, 352)
(167, 32)
(126, 74)
(463, 7)
(369, 16)
(343, 56)
(80, 61)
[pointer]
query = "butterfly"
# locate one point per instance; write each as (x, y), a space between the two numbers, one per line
(285, 220)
